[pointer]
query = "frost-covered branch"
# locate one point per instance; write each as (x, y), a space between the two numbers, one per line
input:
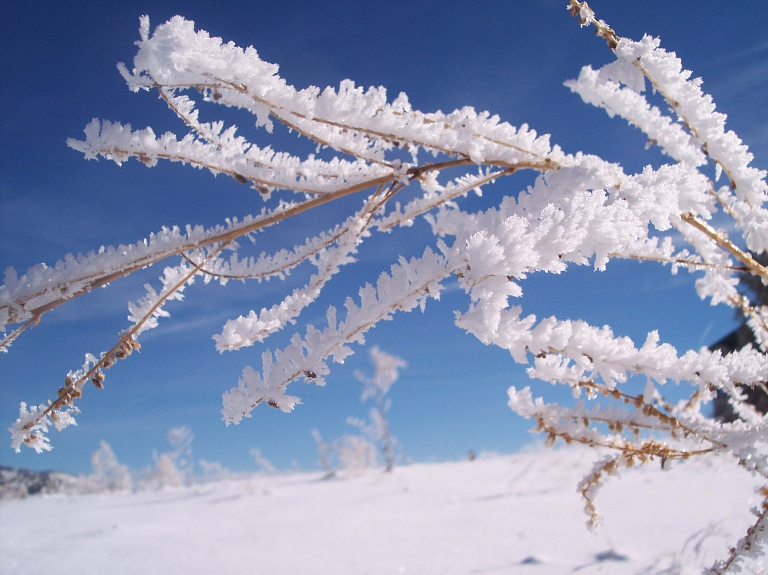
(407, 286)
(581, 210)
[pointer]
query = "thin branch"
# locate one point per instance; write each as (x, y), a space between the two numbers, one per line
(462, 190)
(754, 531)
(586, 17)
(125, 345)
(227, 236)
(722, 240)
(186, 119)
(259, 183)
(391, 138)
(679, 261)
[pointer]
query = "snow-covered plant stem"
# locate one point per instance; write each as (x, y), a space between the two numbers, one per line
(581, 210)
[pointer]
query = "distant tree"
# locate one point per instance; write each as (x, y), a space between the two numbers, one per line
(180, 439)
(264, 465)
(355, 453)
(580, 210)
(166, 473)
(323, 451)
(173, 468)
(108, 472)
(376, 388)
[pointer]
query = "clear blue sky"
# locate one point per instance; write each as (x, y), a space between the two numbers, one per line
(58, 72)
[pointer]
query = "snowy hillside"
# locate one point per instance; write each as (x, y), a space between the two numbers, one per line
(505, 514)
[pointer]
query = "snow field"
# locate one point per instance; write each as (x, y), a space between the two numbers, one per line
(504, 514)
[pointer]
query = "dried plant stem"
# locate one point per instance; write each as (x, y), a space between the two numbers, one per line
(547, 165)
(587, 17)
(185, 117)
(748, 541)
(7, 340)
(273, 108)
(647, 409)
(227, 236)
(96, 280)
(292, 263)
(122, 349)
(748, 310)
(629, 452)
(421, 288)
(261, 183)
(724, 204)
(280, 114)
(679, 261)
(722, 240)
(749, 265)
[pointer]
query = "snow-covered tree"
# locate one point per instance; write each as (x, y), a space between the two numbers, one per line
(355, 453)
(386, 368)
(264, 465)
(173, 468)
(581, 210)
(323, 449)
(108, 472)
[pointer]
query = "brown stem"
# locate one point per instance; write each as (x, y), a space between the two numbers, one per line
(753, 532)
(275, 112)
(101, 280)
(639, 401)
(142, 156)
(489, 178)
(351, 336)
(108, 358)
(722, 240)
(679, 261)
(227, 236)
(367, 214)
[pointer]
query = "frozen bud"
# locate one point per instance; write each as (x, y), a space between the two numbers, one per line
(98, 379)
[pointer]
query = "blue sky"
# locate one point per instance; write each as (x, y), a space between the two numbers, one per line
(58, 72)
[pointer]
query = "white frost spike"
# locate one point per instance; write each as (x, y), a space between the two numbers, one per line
(596, 88)
(245, 331)
(406, 287)
(144, 28)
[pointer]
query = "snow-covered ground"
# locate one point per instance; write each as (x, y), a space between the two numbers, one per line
(505, 514)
